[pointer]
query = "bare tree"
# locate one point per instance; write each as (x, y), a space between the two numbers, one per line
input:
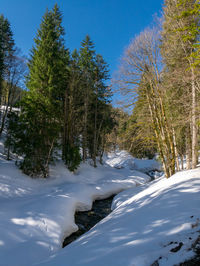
(140, 72)
(12, 85)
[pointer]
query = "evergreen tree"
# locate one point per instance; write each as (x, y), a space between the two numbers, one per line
(99, 110)
(87, 67)
(189, 16)
(96, 97)
(72, 115)
(7, 49)
(16, 134)
(42, 106)
(138, 136)
(179, 36)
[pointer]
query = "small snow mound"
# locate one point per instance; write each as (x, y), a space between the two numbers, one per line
(123, 159)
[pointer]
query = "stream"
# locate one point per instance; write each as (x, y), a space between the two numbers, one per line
(87, 219)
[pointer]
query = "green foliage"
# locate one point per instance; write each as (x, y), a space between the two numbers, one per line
(95, 99)
(37, 138)
(67, 102)
(13, 133)
(6, 48)
(135, 132)
(47, 65)
(189, 12)
(72, 157)
(42, 105)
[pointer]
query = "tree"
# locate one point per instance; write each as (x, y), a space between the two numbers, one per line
(189, 14)
(140, 74)
(7, 49)
(87, 67)
(99, 110)
(12, 85)
(95, 96)
(138, 135)
(179, 37)
(72, 115)
(42, 105)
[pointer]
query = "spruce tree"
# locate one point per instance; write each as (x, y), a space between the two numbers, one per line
(179, 36)
(99, 110)
(96, 96)
(42, 106)
(87, 67)
(7, 49)
(72, 115)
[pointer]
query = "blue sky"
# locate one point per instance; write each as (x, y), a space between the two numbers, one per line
(110, 23)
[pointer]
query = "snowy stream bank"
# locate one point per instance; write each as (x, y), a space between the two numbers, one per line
(87, 219)
(148, 221)
(36, 215)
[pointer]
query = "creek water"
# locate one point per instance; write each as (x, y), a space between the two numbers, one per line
(87, 219)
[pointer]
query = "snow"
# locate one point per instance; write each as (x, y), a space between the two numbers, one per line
(147, 218)
(37, 214)
(146, 224)
(122, 159)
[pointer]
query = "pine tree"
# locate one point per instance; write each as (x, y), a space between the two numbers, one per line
(43, 105)
(95, 96)
(14, 131)
(87, 67)
(99, 110)
(189, 15)
(72, 115)
(7, 49)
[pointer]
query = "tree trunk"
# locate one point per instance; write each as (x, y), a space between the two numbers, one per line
(84, 146)
(64, 137)
(182, 162)
(159, 139)
(176, 151)
(95, 135)
(188, 148)
(46, 168)
(193, 123)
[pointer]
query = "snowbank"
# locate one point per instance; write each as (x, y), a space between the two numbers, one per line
(150, 222)
(122, 159)
(158, 222)
(37, 214)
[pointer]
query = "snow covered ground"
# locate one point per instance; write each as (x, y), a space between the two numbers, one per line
(122, 159)
(147, 218)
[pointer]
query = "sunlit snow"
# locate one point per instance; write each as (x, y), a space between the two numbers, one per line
(147, 218)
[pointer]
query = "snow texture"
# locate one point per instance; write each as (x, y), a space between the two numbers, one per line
(37, 214)
(147, 224)
(148, 219)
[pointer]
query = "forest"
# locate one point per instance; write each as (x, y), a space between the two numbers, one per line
(65, 105)
(58, 100)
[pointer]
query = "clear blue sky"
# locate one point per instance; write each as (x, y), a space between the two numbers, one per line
(110, 23)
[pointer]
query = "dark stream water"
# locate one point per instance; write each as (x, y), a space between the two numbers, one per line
(87, 219)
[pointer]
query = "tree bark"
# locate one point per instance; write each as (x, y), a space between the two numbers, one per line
(193, 122)
(188, 148)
